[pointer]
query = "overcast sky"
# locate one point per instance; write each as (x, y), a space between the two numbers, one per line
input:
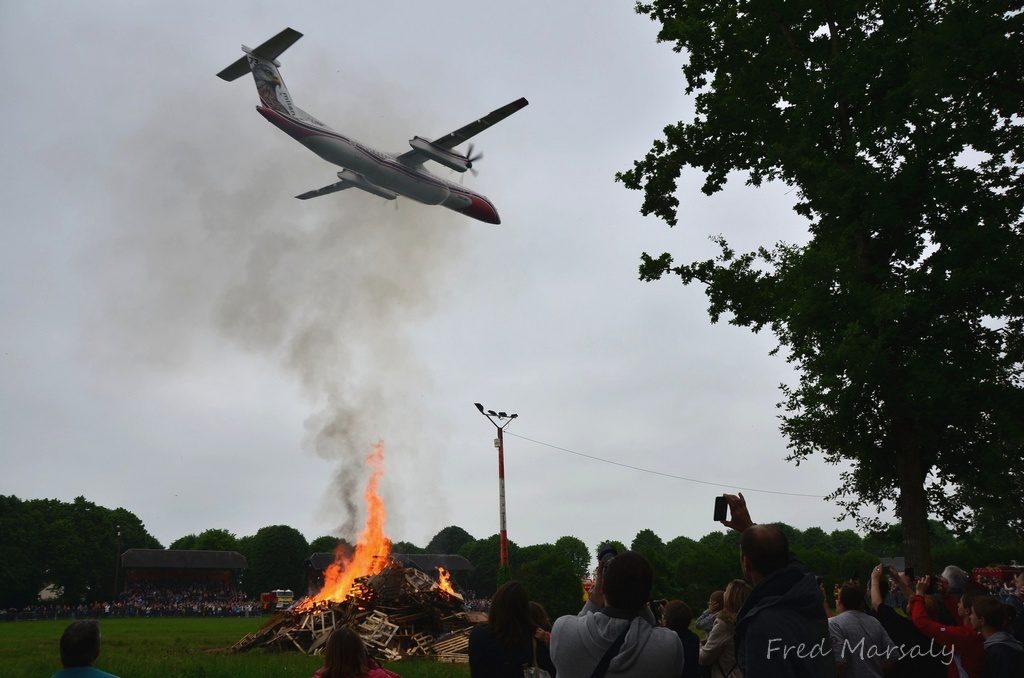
(183, 338)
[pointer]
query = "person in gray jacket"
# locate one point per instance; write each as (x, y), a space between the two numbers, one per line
(617, 613)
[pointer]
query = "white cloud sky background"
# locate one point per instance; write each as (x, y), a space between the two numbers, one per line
(177, 327)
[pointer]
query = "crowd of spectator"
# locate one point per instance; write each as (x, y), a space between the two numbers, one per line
(165, 600)
(776, 621)
(184, 600)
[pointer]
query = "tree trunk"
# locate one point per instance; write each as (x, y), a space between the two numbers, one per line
(912, 505)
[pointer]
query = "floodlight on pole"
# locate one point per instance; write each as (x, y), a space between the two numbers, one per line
(499, 443)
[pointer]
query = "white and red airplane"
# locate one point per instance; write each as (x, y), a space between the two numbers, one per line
(387, 175)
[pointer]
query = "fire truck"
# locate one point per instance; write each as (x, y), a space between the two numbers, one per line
(278, 599)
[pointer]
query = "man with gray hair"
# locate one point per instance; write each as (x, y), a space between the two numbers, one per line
(957, 579)
(79, 648)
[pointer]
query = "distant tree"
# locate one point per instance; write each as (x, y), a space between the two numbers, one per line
(407, 547)
(898, 126)
(813, 538)
(449, 540)
(887, 542)
(216, 540)
(328, 544)
(276, 556)
(649, 545)
(576, 554)
(186, 543)
(551, 581)
(485, 555)
(843, 541)
(857, 563)
(74, 546)
(619, 546)
(676, 548)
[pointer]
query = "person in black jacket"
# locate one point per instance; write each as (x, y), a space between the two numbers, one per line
(676, 615)
(782, 629)
(1004, 655)
(505, 645)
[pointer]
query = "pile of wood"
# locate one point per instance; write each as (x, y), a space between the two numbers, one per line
(400, 612)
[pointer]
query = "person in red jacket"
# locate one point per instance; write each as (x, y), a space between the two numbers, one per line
(967, 645)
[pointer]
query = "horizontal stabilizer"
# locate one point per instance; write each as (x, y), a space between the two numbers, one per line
(268, 51)
(271, 49)
(333, 188)
(235, 70)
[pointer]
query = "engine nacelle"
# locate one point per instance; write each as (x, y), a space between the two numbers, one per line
(446, 157)
(361, 182)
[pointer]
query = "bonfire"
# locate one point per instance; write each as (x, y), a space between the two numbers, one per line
(399, 611)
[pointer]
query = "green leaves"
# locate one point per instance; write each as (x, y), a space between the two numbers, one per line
(904, 312)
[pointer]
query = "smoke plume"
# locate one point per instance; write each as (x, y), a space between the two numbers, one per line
(206, 243)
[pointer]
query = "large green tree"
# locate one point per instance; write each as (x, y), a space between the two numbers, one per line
(575, 551)
(74, 546)
(899, 126)
(449, 540)
(276, 556)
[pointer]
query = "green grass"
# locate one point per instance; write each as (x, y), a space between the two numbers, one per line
(157, 648)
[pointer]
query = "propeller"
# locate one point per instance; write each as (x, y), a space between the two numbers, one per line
(470, 159)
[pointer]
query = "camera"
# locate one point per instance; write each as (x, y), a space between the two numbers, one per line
(605, 552)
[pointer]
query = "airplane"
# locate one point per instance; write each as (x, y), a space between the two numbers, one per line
(387, 175)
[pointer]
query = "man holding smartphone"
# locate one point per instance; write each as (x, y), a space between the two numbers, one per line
(782, 629)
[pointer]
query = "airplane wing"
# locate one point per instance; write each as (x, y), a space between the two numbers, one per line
(350, 179)
(333, 188)
(455, 138)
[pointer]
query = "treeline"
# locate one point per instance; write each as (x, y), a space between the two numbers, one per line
(71, 545)
(75, 546)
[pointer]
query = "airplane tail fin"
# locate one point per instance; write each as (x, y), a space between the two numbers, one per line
(262, 62)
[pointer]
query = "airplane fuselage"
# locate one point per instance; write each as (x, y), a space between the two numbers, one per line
(382, 170)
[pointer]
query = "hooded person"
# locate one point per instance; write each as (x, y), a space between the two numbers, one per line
(616, 631)
(1004, 654)
(782, 629)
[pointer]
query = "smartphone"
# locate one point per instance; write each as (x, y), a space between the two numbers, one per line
(720, 508)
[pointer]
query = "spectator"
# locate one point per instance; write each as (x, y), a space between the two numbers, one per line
(965, 644)
(861, 646)
(957, 579)
(707, 618)
(915, 659)
(541, 622)
(79, 648)
(782, 629)
(718, 650)
(506, 645)
(676, 615)
(1014, 598)
(345, 657)
(1004, 655)
(614, 634)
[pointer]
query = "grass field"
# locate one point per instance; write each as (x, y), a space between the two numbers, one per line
(155, 648)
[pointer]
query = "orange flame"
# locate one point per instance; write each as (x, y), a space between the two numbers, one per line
(372, 551)
(444, 581)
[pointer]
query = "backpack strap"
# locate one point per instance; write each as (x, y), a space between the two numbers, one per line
(606, 660)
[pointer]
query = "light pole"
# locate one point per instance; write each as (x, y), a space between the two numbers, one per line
(117, 559)
(500, 444)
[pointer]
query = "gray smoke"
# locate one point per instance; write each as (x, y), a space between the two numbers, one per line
(206, 244)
